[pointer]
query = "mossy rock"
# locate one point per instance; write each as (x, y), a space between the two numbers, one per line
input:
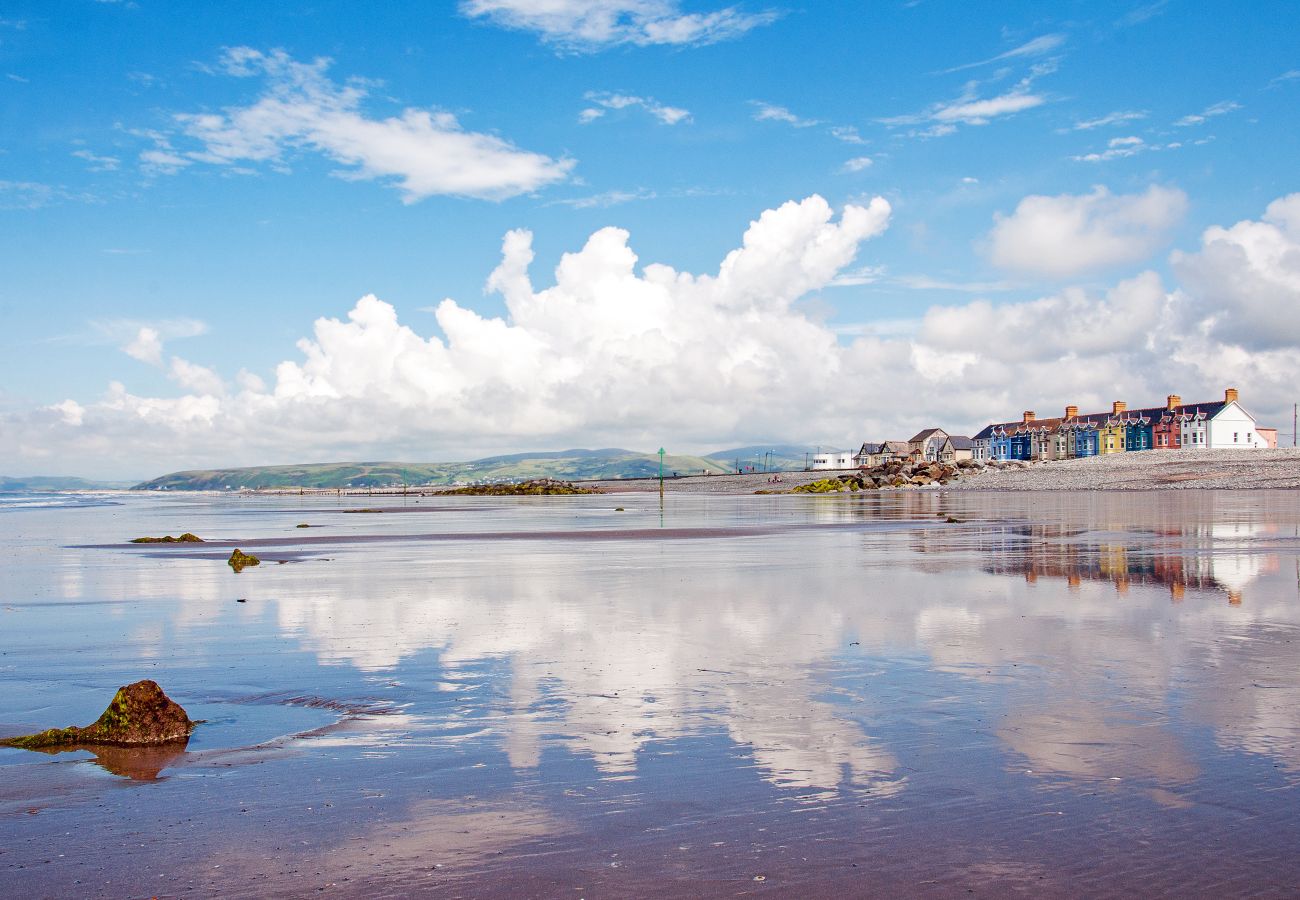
(303, 525)
(186, 538)
(140, 715)
(825, 486)
(239, 560)
(541, 487)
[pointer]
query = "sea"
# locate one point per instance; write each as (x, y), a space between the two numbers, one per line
(920, 693)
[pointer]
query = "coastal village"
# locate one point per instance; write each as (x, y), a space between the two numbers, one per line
(1222, 424)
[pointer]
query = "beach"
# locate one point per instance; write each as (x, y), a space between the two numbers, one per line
(928, 692)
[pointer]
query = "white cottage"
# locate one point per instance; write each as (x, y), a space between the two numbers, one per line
(1224, 425)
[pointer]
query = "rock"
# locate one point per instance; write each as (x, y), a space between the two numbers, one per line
(619, 509)
(186, 538)
(537, 487)
(825, 486)
(239, 560)
(140, 715)
(303, 525)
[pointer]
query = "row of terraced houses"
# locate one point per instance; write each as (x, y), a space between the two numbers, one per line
(1218, 425)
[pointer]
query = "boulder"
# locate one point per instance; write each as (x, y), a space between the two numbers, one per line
(140, 715)
(239, 560)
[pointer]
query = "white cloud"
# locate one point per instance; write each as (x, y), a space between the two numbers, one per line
(979, 112)
(1245, 279)
(1289, 75)
(858, 164)
(1036, 47)
(1067, 324)
(1218, 109)
(1070, 234)
(1117, 148)
(98, 163)
(617, 353)
(195, 378)
(604, 100)
(1115, 118)
(590, 25)
(770, 112)
(605, 199)
(424, 152)
(146, 346)
(847, 133)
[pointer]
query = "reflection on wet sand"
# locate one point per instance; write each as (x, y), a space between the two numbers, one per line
(135, 763)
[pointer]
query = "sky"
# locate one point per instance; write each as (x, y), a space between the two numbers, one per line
(255, 234)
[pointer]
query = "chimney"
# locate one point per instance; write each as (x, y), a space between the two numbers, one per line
(1072, 412)
(1118, 407)
(1173, 401)
(1029, 415)
(1229, 395)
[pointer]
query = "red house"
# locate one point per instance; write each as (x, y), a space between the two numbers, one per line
(1165, 430)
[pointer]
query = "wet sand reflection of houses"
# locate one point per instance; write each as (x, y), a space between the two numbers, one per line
(1221, 567)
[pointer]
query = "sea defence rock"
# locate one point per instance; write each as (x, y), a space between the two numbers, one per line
(239, 560)
(141, 715)
(186, 538)
(894, 474)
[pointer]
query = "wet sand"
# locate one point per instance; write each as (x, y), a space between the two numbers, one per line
(1057, 695)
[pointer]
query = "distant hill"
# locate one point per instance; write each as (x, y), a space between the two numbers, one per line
(566, 464)
(57, 483)
(780, 457)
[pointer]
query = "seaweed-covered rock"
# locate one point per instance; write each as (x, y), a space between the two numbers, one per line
(825, 486)
(535, 488)
(239, 560)
(140, 715)
(186, 538)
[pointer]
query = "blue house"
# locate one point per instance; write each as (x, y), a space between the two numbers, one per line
(1020, 445)
(1001, 443)
(1085, 439)
(1138, 434)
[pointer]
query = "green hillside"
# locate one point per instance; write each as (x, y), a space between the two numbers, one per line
(56, 483)
(567, 464)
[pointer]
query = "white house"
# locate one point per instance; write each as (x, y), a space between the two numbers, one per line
(834, 459)
(1219, 426)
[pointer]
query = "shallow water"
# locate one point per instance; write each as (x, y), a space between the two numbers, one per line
(1054, 695)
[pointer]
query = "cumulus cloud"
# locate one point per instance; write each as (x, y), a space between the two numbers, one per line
(858, 164)
(422, 152)
(615, 352)
(146, 346)
(604, 101)
(1246, 279)
(590, 25)
(1070, 234)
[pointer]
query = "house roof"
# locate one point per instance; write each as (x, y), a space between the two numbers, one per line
(868, 449)
(896, 447)
(960, 442)
(1209, 410)
(923, 435)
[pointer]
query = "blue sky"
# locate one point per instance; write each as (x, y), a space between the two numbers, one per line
(185, 189)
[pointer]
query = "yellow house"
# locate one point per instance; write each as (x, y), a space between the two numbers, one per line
(1110, 437)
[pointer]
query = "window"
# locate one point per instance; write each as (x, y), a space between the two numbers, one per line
(1234, 437)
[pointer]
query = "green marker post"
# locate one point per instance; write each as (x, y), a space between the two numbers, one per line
(661, 470)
